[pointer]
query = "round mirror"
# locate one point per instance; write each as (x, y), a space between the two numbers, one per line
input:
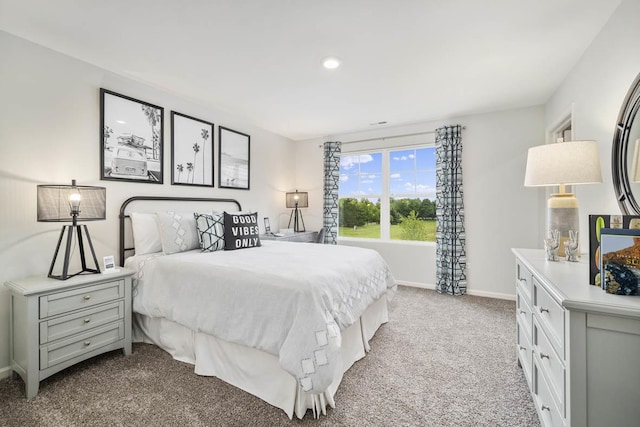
(625, 155)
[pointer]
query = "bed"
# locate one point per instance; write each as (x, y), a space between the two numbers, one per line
(281, 320)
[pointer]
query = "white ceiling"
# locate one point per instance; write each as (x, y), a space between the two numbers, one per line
(403, 61)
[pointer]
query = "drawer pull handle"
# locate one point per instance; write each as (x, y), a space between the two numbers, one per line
(545, 407)
(87, 343)
(544, 310)
(87, 320)
(523, 348)
(523, 312)
(544, 356)
(87, 297)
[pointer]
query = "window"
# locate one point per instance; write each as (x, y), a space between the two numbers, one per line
(388, 194)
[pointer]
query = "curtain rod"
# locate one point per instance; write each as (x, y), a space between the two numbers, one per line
(429, 132)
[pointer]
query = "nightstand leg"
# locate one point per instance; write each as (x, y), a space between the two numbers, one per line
(31, 386)
(14, 375)
(127, 349)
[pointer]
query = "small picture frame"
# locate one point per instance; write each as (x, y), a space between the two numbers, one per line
(620, 261)
(267, 226)
(109, 264)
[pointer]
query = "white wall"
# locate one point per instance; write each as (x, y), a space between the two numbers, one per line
(596, 87)
(499, 212)
(50, 133)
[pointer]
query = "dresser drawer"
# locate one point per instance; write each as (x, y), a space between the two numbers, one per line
(80, 321)
(543, 399)
(551, 316)
(524, 350)
(523, 311)
(63, 302)
(77, 345)
(524, 279)
(551, 364)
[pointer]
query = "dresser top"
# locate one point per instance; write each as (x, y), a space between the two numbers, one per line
(568, 283)
(42, 283)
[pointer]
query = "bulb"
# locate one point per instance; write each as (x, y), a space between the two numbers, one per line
(74, 200)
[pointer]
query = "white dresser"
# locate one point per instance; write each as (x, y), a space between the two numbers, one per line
(57, 323)
(578, 346)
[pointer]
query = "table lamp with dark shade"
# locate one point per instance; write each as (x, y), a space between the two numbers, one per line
(72, 203)
(295, 201)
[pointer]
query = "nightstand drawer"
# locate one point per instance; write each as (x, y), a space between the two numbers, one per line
(62, 302)
(63, 350)
(551, 316)
(550, 363)
(80, 321)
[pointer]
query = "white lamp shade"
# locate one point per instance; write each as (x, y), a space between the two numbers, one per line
(572, 162)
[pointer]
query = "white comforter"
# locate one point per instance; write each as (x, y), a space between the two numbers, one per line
(288, 299)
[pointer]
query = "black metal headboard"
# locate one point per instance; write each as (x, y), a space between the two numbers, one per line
(124, 215)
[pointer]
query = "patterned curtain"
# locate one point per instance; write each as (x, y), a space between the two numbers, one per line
(451, 260)
(331, 182)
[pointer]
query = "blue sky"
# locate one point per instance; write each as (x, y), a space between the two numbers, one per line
(412, 172)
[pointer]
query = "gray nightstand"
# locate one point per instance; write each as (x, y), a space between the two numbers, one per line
(303, 236)
(57, 323)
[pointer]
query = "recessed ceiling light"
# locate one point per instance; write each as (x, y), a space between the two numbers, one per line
(331, 62)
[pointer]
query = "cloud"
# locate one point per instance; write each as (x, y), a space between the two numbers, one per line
(366, 181)
(421, 188)
(394, 176)
(347, 162)
(344, 178)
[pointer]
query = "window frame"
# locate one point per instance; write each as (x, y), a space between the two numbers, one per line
(385, 196)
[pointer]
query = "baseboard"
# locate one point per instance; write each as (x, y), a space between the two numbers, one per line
(486, 294)
(5, 372)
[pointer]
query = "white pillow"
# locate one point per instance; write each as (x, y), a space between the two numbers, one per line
(178, 232)
(146, 235)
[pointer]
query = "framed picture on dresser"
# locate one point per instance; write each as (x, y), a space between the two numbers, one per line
(191, 151)
(234, 159)
(131, 139)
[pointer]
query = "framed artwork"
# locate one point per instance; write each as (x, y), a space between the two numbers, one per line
(131, 137)
(234, 159)
(191, 151)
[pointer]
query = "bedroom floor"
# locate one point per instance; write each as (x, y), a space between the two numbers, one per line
(440, 361)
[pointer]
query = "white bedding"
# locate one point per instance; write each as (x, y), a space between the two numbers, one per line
(291, 300)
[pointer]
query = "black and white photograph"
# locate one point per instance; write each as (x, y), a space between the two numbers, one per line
(131, 134)
(234, 159)
(191, 151)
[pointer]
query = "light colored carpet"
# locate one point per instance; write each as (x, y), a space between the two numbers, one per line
(440, 361)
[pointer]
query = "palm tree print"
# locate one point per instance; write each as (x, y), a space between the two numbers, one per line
(205, 135)
(196, 149)
(180, 170)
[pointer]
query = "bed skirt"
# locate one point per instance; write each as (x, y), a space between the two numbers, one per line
(256, 371)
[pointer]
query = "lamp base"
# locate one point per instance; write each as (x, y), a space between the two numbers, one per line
(69, 229)
(296, 216)
(562, 215)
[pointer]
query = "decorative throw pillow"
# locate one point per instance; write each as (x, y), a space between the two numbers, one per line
(177, 232)
(146, 235)
(241, 230)
(210, 231)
